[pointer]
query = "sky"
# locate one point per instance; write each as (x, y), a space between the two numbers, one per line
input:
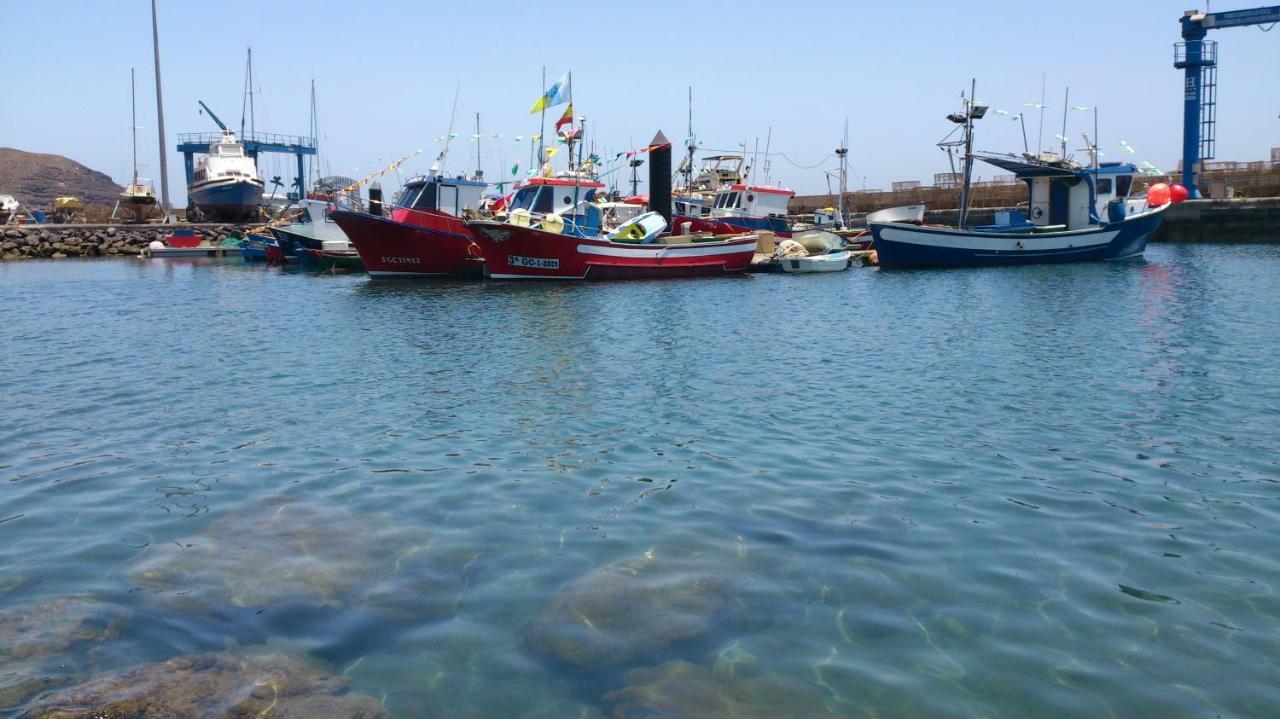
(785, 75)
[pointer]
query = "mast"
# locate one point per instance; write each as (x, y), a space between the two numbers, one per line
(843, 153)
(1040, 132)
(133, 104)
(968, 154)
(768, 142)
(479, 172)
(688, 163)
(1066, 104)
(164, 166)
(542, 121)
(315, 134)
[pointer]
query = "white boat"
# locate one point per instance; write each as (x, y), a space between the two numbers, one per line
(8, 208)
(908, 214)
(832, 262)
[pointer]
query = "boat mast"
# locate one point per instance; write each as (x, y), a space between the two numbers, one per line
(542, 121)
(315, 134)
(133, 104)
(444, 154)
(1066, 105)
(968, 154)
(843, 153)
(164, 165)
(479, 172)
(248, 93)
(688, 163)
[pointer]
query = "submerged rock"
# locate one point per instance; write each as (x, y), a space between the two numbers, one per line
(282, 552)
(624, 611)
(688, 691)
(209, 686)
(40, 644)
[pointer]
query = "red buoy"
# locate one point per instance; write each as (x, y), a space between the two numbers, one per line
(1158, 195)
(1178, 194)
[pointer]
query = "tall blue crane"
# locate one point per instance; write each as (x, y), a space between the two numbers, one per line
(1199, 59)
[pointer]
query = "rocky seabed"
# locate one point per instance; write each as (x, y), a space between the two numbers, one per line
(57, 242)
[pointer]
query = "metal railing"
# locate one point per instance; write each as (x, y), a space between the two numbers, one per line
(257, 138)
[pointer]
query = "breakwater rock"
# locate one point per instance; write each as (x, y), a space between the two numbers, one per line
(58, 241)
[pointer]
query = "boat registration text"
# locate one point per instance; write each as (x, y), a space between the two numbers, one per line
(541, 263)
(402, 260)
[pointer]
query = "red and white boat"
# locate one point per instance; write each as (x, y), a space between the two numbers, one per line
(554, 230)
(424, 236)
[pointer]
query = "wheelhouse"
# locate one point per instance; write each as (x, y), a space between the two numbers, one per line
(570, 200)
(751, 201)
(450, 195)
(1068, 197)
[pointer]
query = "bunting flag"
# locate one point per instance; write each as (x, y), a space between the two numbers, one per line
(558, 94)
(514, 169)
(566, 118)
(551, 151)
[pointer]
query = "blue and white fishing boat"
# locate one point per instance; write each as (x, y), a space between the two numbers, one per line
(1077, 214)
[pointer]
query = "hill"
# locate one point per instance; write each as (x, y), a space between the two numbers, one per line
(36, 178)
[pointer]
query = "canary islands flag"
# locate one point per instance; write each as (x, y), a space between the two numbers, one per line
(558, 94)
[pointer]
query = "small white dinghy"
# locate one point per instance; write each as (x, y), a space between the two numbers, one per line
(831, 262)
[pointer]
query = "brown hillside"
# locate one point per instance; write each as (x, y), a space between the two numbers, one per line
(36, 178)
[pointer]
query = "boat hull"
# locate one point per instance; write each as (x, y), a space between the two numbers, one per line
(512, 252)
(735, 225)
(834, 262)
(902, 245)
(254, 246)
(227, 200)
(424, 244)
(333, 260)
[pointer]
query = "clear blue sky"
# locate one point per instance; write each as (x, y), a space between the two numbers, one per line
(386, 71)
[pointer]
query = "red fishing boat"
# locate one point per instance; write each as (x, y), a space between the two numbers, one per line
(424, 234)
(554, 230)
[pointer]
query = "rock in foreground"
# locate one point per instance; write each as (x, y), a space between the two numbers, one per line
(40, 644)
(680, 690)
(627, 610)
(212, 686)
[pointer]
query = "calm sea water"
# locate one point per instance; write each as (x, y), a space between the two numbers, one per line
(1041, 491)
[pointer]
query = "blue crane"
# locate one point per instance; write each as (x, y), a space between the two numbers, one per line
(1199, 59)
(215, 117)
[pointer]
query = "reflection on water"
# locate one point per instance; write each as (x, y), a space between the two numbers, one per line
(1039, 491)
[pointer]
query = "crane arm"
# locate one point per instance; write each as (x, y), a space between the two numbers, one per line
(215, 117)
(1237, 18)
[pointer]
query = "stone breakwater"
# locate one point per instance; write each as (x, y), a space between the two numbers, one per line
(59, 241)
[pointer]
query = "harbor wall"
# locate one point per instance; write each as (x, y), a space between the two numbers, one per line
(58, 241)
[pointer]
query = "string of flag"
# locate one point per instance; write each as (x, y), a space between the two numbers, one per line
(380, 172)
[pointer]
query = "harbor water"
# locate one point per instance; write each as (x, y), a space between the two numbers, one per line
(1039, 491)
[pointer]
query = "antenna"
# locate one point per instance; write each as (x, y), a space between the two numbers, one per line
(479, 172)
(767, 143)
(1066, 106)
(843, 153)
(1040, 133)
(438, 168)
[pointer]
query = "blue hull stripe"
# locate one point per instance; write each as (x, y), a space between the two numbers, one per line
(942, 248)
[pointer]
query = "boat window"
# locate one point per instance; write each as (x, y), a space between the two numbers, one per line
(1124, 183)
(1104, 186)
(544, 200)
(410, 196)
(427, 198)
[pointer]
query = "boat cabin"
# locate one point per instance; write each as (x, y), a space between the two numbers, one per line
(570, 199)
(716, 172)
(434, 193)
(751, 201)
(1067, 197)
